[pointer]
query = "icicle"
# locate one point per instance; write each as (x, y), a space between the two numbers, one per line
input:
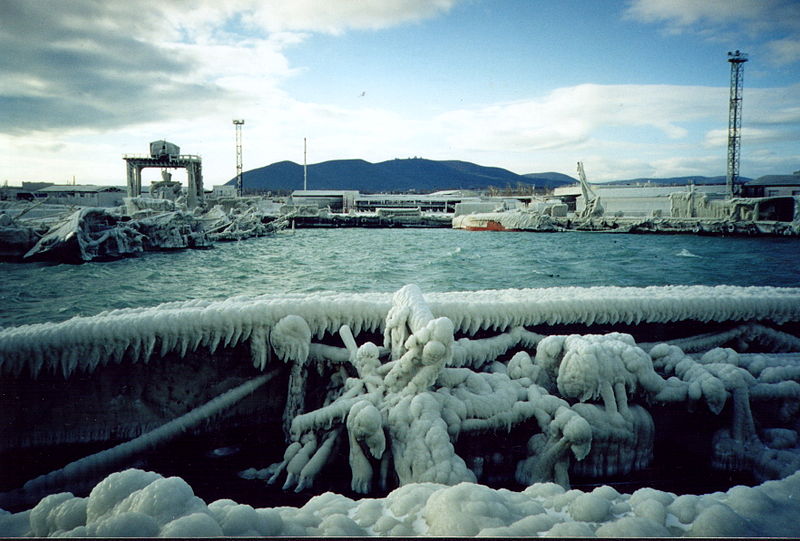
(183, 345)
(135, 346)
(315, 464)
(237, 333)
(295, 395)
(277, 469)
(150, 344)
(117, 353)
(167, 342)
(259, 347)
(198, 337)
(229, 330)
(300, 459)
(216, 336)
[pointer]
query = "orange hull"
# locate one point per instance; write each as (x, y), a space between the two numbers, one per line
(491, 225)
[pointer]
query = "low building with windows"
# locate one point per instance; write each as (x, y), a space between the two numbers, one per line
(223, 190)
(773, 186)
(435, 202)
(336, 200)
(352, 200)
(83, 195)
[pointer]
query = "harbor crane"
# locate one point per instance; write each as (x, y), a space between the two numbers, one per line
(592, 205)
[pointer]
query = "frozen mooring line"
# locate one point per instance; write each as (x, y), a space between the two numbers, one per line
(457, 374)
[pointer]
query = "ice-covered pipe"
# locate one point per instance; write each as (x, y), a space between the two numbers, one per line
(109, 458)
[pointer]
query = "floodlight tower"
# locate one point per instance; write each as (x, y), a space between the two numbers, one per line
(238, 125)
(737, 60)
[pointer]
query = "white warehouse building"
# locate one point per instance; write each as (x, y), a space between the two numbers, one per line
(643, 201)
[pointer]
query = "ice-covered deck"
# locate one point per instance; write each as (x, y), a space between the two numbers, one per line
(412, 389)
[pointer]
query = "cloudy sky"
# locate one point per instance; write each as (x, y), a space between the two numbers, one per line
(634, 88)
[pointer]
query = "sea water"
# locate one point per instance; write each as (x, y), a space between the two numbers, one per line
(384, 260)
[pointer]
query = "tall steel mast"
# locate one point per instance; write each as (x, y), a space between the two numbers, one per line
(737, 60)
(238, 124)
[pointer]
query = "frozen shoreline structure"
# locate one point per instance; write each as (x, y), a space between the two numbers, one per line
(524, 220)
(424, 399)
(142, 224)
(643, 209)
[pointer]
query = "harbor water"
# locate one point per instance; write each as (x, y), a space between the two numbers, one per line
(383, 260)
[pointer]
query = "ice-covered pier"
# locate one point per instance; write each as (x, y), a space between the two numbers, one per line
(425, 399)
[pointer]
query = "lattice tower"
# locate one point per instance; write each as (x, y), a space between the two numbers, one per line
(737, 60)
(238, 125)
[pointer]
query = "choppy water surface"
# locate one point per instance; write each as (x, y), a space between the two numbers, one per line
(354, 260)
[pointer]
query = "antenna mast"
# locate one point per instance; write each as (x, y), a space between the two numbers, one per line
(305, 167)
(737, 60)
(238, 125)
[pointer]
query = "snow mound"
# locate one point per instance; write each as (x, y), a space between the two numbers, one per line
(144, 504)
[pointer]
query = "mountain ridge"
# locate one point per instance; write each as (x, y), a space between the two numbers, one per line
(398, 175)
(422, 176)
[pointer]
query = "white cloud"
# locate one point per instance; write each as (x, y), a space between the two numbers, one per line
(621, 131)
(784, 51)
(335, 17)
(84, 82)
(624, 131)
(571, 116)
(760, 15)
(682, 13)
(777, 22)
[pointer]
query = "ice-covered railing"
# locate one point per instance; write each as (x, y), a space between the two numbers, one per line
(609, 305)
(137, 334)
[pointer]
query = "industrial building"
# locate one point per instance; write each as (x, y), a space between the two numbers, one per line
(773, 186)
(347, 200)
(336, 200)
(82, 195)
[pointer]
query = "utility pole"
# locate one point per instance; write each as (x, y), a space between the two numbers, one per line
(737, 60)
(238, 125)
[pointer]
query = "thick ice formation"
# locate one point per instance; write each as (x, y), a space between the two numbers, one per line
(407, 413)
(511, 220)
(91, 234)
(578, 390)
(88, 234)
(688, 212)
(135, 503)
(240, 221)
(143, 223)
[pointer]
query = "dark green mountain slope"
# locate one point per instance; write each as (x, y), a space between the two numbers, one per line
(399, 175)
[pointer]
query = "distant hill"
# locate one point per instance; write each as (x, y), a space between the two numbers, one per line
(399, 175)
(677, 180)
